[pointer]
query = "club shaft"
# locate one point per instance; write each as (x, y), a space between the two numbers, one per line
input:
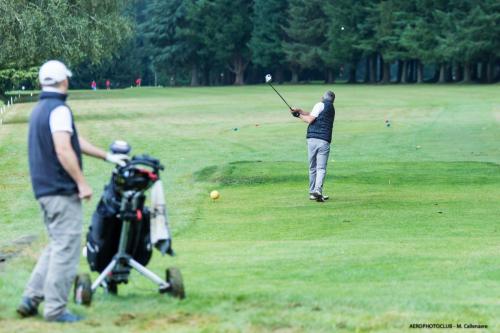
(280, 96)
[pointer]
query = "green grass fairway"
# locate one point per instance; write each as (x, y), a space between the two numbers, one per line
(411, 233)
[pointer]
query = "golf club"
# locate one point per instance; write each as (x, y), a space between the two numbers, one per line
(269, 78)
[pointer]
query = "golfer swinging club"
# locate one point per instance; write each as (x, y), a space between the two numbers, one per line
(319, 137)
(54, 149)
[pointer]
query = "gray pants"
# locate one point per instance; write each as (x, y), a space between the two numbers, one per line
(56, 268)
(318, 152)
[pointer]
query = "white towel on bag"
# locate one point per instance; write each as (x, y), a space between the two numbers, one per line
(160, 233)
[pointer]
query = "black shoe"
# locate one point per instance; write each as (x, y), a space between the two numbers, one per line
(27, 308)
(313, 197)
(316, 195)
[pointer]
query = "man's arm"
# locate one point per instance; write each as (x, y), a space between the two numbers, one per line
(305, 116)
(91, 150)
(68, 159)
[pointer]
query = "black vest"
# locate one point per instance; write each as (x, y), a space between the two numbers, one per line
(322, 127)
(48, 176)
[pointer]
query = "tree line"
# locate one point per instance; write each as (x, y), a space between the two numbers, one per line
(212, 42)
(300, 39)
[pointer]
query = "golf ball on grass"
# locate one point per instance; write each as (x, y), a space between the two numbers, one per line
(214, 195)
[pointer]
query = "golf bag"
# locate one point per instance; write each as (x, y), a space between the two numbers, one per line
(103, 236)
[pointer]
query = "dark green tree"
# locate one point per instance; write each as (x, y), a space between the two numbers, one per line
(305, 35)
(343, 34)
(422, 36)
(381, 34)
(419, 39)
(265, 43)
(470, 35)
(228, 27)
(172, 41)
(204, 60)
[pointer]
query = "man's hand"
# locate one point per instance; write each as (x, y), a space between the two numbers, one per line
(84, 191)
(120, 159)
(90, 149)
(296, 112)
(305, 116)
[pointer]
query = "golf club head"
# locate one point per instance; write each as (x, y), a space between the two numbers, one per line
(269, 78)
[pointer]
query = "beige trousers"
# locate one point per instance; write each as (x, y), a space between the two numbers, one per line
(53, 275)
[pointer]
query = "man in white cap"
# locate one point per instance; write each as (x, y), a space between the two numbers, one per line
(55, 149)
(319, 137)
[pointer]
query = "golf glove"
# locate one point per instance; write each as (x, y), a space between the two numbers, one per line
(296, 114)
(119, 159)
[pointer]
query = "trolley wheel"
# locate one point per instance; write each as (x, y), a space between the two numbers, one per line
(174, 279)
(83, 289)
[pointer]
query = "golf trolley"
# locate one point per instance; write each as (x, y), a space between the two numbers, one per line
(119, 238)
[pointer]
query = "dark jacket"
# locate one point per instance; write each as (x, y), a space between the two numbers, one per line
(48, 176)
(322, 127)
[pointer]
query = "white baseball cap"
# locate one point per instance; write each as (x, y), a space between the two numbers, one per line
(52, 72)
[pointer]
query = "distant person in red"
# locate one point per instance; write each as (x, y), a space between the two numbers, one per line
(108, 84)
(93, 85)
(138, 82)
